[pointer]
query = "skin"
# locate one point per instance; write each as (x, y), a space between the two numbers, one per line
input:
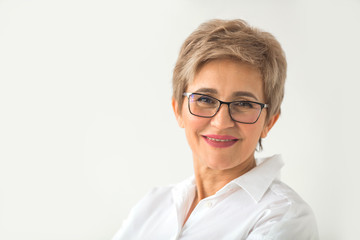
(215, 167)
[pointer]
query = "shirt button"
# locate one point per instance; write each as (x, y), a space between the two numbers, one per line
(209, 204)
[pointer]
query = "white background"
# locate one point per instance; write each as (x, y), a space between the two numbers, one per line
(86, 125)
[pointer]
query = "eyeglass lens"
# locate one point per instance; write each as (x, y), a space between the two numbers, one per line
(241, 111)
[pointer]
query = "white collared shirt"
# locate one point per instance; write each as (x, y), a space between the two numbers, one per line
(254, 206)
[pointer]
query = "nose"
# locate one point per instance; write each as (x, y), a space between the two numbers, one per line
(222, 119)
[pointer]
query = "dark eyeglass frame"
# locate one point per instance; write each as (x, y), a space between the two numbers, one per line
(262, 106)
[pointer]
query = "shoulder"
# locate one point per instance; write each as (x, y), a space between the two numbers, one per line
(293, 205)
(286, 216)
(153, 197)
(142, 211)
(157, 192)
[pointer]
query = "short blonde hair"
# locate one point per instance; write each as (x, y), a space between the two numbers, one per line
(233, 39)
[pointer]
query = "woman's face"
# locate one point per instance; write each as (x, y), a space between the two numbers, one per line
(226, 80)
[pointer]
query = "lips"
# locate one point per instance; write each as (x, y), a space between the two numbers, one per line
(220, 141)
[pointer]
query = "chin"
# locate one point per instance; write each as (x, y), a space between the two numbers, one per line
(220, 165)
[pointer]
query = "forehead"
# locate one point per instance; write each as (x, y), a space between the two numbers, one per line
(225, 78)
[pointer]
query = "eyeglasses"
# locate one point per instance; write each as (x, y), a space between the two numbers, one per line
(202, 105)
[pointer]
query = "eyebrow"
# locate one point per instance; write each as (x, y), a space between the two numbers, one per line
(235, 94)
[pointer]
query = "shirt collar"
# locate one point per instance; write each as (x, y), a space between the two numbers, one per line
(257, 181)
(184, 189)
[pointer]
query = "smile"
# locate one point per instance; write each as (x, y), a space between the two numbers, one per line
(220, 141)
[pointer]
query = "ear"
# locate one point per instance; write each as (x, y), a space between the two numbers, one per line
(270, 123)
(178, 116)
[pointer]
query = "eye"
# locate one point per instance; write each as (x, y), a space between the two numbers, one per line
(244, 105)
(204, 101)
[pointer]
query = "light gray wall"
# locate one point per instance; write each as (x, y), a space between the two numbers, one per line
(86, 125)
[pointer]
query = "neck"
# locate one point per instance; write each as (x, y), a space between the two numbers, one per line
(209, 181)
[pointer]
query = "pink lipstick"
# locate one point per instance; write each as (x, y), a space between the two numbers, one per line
(220, 141)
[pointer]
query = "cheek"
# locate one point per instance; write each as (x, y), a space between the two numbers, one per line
(252, 132)
(193, 124)
(194, 127)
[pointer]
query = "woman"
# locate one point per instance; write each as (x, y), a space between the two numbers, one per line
(228, 85)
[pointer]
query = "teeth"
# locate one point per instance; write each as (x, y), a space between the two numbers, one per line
(220, 140)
